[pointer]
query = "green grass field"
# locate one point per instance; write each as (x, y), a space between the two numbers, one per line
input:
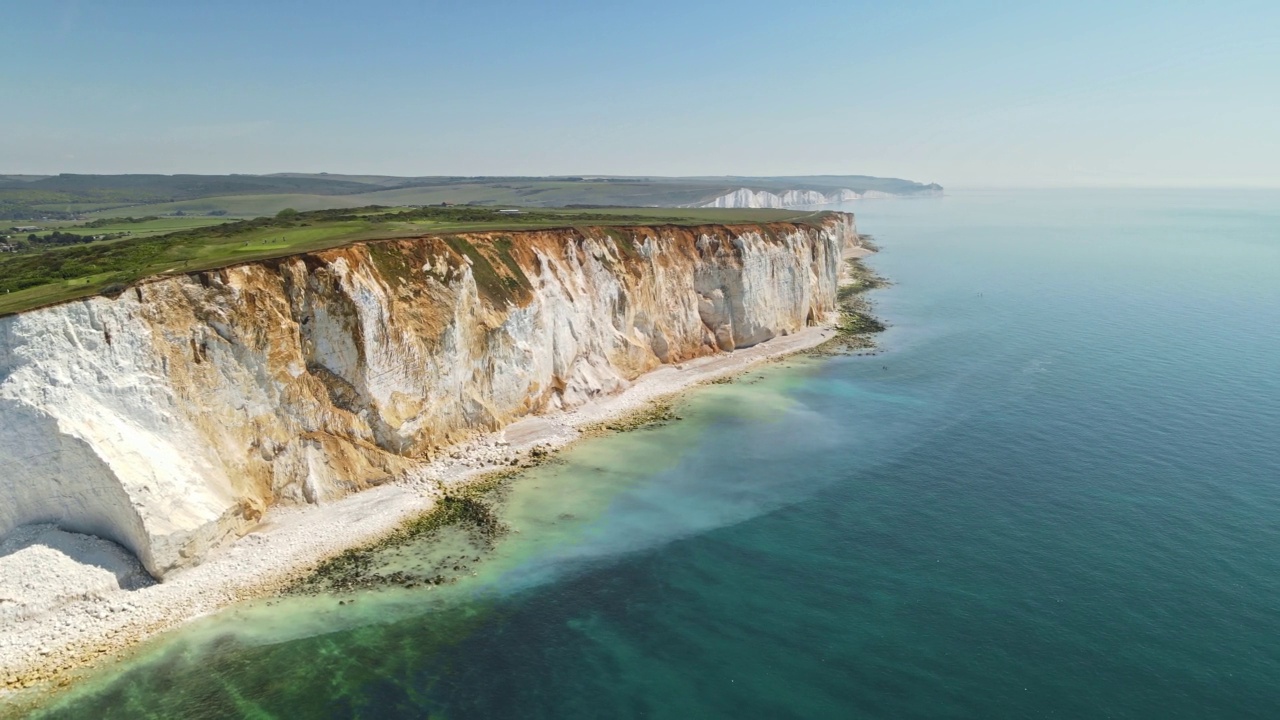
(243, 206)
(31, 280)
(159, 226)
(513, 194)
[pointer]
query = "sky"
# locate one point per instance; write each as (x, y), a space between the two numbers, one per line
(966, 94)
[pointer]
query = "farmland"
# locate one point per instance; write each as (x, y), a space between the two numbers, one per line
(71, 197)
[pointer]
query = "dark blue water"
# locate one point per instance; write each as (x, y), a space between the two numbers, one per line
(1057, 495)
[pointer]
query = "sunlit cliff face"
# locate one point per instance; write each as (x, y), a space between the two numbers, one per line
(170, 418)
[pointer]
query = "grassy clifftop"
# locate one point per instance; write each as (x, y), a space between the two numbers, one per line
(48, 276)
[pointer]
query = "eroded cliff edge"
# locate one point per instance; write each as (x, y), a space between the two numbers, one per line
(168, 419)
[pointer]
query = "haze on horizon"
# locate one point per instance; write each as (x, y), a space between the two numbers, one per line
(964, 94)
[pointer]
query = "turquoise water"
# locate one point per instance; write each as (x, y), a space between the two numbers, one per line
(1056, 495)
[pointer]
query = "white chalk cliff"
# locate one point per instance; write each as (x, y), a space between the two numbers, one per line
(169, 418)
(747, 198)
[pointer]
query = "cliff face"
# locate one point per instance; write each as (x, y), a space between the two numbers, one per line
(169, 418)
(747, 198)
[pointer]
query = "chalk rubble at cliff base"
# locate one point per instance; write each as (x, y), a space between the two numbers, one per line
(43, 568)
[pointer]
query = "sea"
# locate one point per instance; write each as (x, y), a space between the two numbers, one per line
(1053, 493)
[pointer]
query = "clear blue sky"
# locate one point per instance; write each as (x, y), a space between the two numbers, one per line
(962, 93)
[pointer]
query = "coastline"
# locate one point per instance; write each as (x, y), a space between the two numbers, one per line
(46, 650)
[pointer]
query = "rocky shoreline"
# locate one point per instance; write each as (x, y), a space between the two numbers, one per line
(288, 553)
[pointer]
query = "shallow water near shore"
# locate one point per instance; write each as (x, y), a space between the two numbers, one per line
(1057, 494)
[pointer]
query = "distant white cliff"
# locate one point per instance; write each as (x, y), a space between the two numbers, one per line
(748, 198)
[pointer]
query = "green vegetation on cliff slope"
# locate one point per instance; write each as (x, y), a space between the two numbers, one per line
(45, 274)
